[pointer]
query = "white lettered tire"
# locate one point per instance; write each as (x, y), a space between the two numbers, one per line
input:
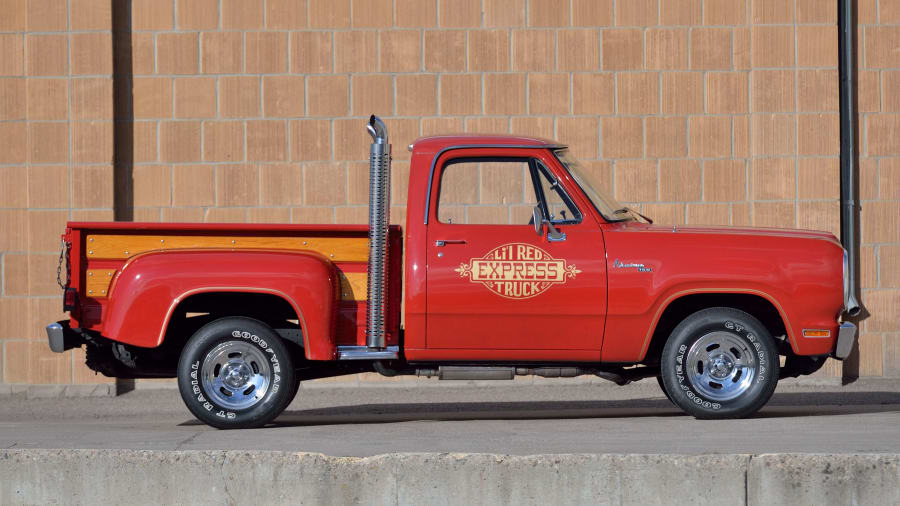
(720, 363)
(236, 373)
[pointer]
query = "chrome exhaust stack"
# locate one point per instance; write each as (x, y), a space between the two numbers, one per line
(379, 219)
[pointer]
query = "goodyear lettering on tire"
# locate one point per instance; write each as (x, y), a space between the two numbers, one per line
(276, 367)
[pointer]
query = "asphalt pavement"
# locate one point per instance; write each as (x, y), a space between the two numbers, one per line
(863, 417)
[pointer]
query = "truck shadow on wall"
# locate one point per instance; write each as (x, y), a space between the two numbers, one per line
(784, 405)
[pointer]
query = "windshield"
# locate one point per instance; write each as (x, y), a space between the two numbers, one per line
(604, 203)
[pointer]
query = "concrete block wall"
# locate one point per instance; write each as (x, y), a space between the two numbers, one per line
(696, 112)
(56, 154)
(240, 477)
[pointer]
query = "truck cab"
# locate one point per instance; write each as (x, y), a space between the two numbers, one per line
(493, 285)
(512, 261)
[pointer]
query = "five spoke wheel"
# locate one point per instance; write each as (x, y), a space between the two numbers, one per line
(236, 375)
(721, 366)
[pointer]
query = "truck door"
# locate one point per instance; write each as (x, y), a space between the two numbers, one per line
(493, 283)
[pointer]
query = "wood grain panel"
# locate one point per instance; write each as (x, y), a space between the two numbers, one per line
(354, 285)
(116, 246)
(97, 282)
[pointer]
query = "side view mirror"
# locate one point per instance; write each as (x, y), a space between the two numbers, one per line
(553, 235)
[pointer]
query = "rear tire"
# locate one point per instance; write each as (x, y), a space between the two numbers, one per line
(236, 373)
(720, 363)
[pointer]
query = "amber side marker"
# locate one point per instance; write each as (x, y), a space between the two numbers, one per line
(816, 333)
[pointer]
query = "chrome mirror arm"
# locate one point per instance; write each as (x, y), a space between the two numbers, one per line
(554, 235)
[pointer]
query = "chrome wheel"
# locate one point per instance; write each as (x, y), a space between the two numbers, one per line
(236, 375)
(721, 366)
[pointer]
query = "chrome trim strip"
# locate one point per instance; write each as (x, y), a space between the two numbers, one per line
(365, 353)
(474, 146)
(845, 273)
(851, 304)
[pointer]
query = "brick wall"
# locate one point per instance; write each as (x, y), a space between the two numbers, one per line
(712, 111)
(55, 165)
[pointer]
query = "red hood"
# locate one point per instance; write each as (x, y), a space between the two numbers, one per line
(776, 232)
(727, 230)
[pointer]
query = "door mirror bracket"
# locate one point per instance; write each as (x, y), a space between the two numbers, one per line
(553, 235)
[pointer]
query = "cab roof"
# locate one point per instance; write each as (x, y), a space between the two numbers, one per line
(438, 142)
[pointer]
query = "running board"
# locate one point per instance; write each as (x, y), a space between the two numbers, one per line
(366, 353)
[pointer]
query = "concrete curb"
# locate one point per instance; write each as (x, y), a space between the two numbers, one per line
(823, 479)
(238, 477)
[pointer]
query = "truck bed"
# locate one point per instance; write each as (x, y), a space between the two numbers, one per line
(99, 251)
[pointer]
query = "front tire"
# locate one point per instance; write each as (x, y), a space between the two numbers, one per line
(662, 386)
(236, 373)
(720, 363)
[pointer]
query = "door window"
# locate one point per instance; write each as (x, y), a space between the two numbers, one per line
(560, 209)
(495, 191)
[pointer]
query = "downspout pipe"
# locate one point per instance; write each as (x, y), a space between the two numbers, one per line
(379, 219)
(849, 172)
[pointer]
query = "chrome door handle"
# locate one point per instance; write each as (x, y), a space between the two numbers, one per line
(444, 242)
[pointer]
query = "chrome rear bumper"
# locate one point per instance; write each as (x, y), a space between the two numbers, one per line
(61, 337)
(845, 339)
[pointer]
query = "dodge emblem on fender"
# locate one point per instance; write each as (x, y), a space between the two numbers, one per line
(517, 271)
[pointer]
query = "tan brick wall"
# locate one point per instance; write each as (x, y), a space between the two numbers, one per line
(55, 165)
(713, 111)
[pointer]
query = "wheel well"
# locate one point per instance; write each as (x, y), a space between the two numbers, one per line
(684, 306)
(197, 310)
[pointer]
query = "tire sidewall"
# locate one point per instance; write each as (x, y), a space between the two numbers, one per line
(249, 331)
(740, 324)
(662, 386)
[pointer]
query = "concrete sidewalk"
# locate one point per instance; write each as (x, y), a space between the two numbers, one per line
(553, 418)
(550, 443)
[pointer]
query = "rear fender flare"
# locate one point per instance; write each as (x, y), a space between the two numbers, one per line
(147, 290)
(231, 289)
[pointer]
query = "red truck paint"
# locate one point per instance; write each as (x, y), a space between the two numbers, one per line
(601, 314)
(147, 287)
(489, 293)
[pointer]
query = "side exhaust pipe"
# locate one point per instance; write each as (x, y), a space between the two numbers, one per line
(379, 219)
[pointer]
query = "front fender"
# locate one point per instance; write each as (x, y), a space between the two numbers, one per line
(145, 293)
(798, 272)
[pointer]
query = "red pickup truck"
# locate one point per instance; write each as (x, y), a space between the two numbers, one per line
(512, 262)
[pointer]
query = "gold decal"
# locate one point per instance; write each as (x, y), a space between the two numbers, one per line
(517, 271)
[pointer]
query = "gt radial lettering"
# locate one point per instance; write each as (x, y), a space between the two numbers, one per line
(517, 271)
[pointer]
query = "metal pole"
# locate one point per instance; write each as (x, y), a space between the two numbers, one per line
(849, 173)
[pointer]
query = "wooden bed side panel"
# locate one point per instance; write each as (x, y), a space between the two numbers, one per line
(124, 246)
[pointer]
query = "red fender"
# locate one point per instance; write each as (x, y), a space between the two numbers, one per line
(146, 291)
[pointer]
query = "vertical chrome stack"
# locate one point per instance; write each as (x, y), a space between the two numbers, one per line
(379, 218)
